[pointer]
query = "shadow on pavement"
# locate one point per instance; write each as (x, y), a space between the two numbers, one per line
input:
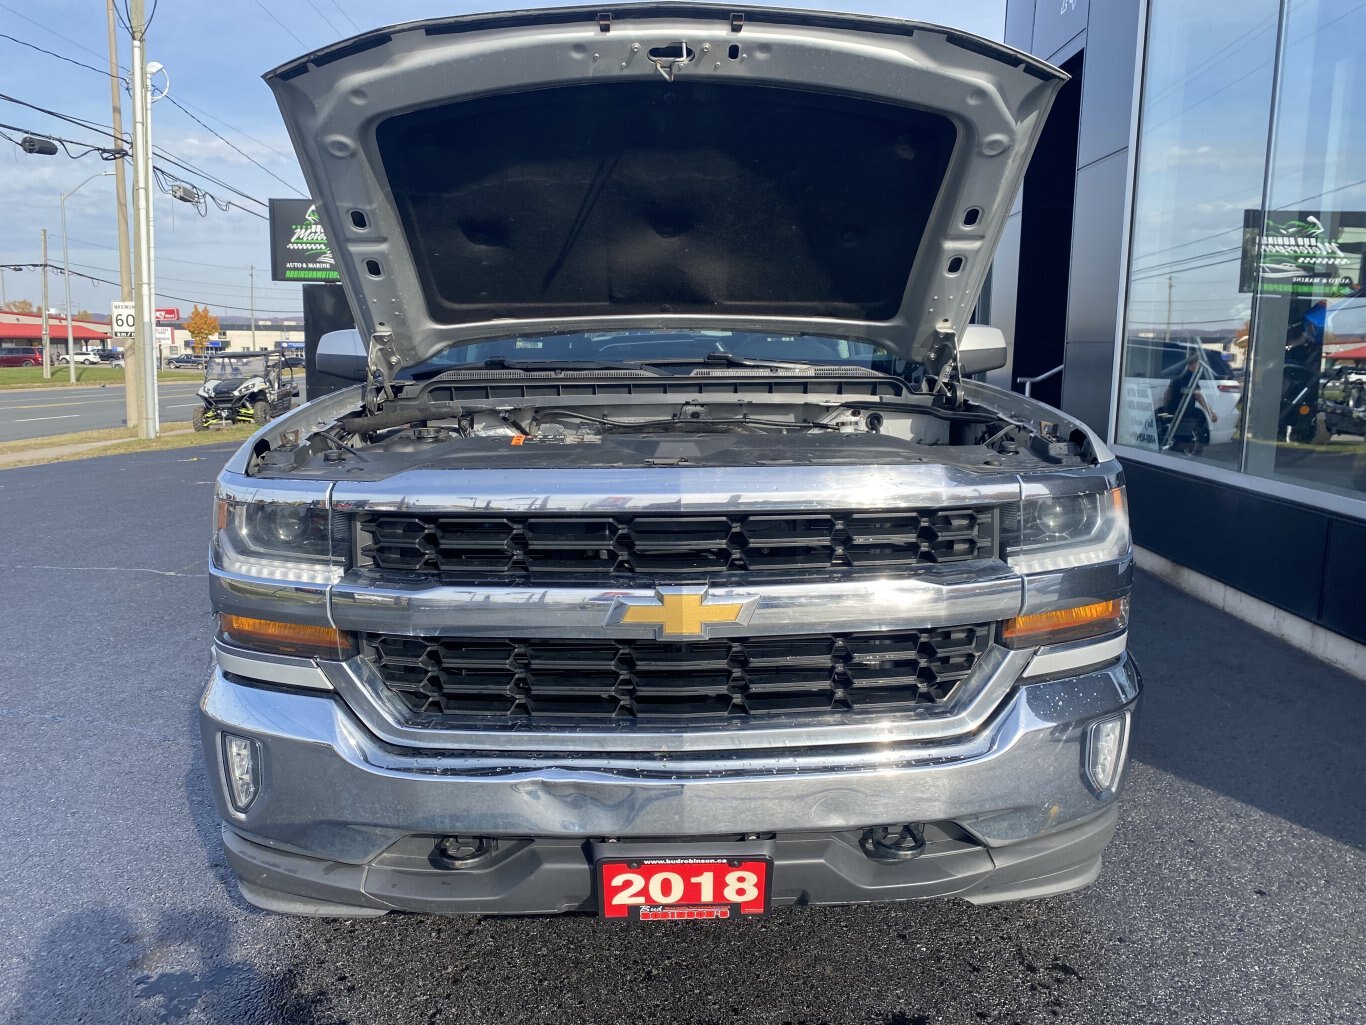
(1231, 708)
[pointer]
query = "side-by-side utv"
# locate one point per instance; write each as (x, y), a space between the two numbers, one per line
(244, 388)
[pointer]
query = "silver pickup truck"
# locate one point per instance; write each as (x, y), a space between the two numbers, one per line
(666, 559)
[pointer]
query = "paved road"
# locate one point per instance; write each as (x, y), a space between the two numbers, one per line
(40, 413)
(1235, 891)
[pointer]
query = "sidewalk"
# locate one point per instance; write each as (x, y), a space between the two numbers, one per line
(49, 453)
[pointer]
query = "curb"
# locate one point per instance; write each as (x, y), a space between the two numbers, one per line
(51, 451)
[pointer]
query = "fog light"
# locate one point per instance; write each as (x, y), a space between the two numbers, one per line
(1106, 744)
(242, 767)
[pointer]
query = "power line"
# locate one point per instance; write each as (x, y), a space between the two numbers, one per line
(60, 57)
(324, 17)
(163, 259)
(57, 268)
(286, 289)
(234, 128)
(183, 105)
(238, 149)
(39, 24)
(89, 126)
(281, 24)
(105, 152)
(342, 11)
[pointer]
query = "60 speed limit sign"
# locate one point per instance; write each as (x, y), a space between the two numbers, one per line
(123, 320)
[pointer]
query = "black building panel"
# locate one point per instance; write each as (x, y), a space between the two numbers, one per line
(1344, 569)
(1271, 549)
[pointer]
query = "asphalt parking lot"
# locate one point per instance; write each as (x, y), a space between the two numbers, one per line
(1235, 891)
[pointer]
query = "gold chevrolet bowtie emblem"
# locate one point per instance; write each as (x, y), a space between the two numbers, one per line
(681, 612)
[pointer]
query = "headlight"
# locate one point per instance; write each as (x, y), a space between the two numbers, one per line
(1051, 532)
(280, 540)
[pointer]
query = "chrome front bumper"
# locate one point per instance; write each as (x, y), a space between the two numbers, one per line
(333, 792)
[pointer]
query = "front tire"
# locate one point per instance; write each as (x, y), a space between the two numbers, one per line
(197, 419)
(260, 412)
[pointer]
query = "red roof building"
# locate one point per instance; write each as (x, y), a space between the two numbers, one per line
(27, 329)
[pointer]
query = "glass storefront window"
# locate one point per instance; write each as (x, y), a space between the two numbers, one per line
(1305, 415)
(1206, 108)
(1245, 326)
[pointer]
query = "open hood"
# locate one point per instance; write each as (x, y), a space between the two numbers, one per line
(662, 165)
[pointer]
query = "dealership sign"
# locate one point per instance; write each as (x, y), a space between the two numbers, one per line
(1301, 253)
(299, 251)
(167, 314)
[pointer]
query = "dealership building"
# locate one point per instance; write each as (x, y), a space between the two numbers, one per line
(1197, 206)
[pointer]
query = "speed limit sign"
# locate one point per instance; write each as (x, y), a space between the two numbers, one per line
(123, 320)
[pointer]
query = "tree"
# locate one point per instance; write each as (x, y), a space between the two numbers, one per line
(202, 326)
(19, 306)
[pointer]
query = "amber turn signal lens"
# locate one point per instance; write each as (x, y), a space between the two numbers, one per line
(284, 638)
(1074, 624)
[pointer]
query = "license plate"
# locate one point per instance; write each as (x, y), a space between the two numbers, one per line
(680, 889)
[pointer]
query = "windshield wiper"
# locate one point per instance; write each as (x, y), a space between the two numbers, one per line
(729, 359)
(534, 365)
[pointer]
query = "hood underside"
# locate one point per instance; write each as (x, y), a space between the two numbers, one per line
(662, 166)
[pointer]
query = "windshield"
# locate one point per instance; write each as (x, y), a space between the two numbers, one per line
(665, 346)
(224, 368)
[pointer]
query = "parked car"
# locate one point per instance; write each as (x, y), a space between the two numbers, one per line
(188, 361)
(108, 355)
(665, 560)
(21, 356)
(89, 358)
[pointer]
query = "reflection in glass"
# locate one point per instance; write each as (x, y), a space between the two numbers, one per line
(1201, 164)
(1305, 416)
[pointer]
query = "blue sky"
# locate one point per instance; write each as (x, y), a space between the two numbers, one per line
(215, 54)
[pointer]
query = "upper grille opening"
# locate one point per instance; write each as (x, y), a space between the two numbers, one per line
(722, 679)
(640, 548)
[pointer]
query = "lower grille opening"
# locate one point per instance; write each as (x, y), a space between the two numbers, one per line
(745, 678)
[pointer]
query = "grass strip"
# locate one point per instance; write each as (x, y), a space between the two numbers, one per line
(12, 378)
(122, 442)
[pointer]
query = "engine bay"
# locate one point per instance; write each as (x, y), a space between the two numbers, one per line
(491, 420)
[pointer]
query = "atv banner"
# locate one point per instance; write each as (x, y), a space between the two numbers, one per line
(299, 250)
(1302, 253)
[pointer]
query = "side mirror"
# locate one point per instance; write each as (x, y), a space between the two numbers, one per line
(981, 348)
(342, 354)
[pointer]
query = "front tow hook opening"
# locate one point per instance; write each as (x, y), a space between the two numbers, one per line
(893, 843)
(454, 852)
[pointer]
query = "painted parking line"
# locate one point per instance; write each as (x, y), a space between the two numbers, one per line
(34, 420)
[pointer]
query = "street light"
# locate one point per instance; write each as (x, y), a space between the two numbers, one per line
(66, 274)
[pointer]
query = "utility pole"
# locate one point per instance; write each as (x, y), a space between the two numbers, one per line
(1168, 336)
(251, 272)
(47, 334)
(132, 408)
(142, 213)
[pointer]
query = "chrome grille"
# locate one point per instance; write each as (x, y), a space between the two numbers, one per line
(635, 548)
(720, 679)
